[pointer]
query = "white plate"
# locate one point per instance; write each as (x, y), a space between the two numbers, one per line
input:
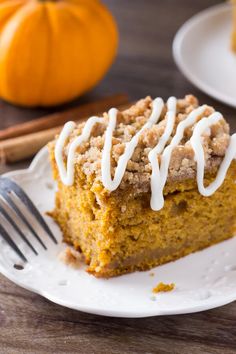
(201, 49)
(204, 280)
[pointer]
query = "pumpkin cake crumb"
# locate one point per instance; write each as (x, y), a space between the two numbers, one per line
(152, 274)
(162, 287)
(71, 257)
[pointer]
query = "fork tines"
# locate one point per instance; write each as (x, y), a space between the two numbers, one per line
(10, 192)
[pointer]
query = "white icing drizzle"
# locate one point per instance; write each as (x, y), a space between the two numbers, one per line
(195, 140)
(159, 172)
(159, 175)
(157, 198)
(108, 183)
(67, 174)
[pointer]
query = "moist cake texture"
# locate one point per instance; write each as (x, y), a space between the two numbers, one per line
(109, 218)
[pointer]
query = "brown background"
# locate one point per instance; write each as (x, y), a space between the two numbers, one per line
(31, 324)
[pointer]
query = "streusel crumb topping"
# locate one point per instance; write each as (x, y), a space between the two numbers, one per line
(182, 165)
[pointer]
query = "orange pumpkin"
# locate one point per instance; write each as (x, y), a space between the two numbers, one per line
(53, 51)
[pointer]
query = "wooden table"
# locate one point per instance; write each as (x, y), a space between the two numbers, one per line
(31, 324)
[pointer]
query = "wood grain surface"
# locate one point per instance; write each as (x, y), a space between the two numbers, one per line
(30, 324)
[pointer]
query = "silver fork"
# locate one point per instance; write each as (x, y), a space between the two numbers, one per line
(10, 192)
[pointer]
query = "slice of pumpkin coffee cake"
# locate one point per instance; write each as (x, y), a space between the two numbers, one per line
(145, 186)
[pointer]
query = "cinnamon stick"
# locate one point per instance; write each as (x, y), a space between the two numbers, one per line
(25, 146)
(56, 119)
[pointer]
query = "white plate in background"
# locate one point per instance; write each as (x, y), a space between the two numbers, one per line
(204, 280)
(201, 50)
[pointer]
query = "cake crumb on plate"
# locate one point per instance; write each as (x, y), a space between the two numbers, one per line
(162, 287)
(71, 257)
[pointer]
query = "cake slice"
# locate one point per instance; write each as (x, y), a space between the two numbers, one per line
(145, 186)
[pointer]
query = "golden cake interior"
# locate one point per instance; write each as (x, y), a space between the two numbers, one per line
(118, 232)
